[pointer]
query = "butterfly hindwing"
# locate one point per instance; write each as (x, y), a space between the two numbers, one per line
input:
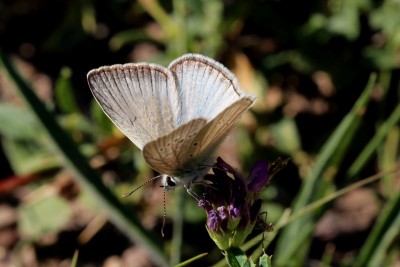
(213, 133)
(166, 154)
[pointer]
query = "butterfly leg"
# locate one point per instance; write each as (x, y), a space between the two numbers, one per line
(192, 193)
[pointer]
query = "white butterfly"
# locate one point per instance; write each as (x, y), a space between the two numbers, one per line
(177, 115)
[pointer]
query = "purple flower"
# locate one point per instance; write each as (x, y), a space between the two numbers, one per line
(231, 204)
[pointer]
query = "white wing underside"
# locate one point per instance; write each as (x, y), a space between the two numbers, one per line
(141, 99)
(148, 101)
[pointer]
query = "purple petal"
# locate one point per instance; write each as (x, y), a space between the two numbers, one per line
(223, 212)
(234, 212)
(204, 203)
(223, 165)
(258, 177)
(212, 220)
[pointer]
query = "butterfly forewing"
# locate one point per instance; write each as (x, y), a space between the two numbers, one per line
(140, 99)
(166, 154)
(205, 87)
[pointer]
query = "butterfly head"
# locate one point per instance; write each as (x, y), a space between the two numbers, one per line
(186, 177)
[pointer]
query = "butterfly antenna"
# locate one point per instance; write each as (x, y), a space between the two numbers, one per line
(140, 186)
(164, 215)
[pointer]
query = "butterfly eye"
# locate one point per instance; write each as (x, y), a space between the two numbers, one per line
(169, 182)
(195, 144)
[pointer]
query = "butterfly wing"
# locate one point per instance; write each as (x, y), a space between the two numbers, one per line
(166, 154)
(140, 99)
(178, 116)
(205, 87)
(187, 151)
(200, 151)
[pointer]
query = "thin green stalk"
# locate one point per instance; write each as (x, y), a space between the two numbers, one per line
(385, 230)
(77, 163)
(389, 227)
(177, 233)
(74, 260)
(371, 147)
(286, 218)
(319, 203)
(179, 44)
(154, 8)
(320, 180)
(186, 263)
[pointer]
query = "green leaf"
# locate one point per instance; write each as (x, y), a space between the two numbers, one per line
(47, 215)
(24, 141)
(28, 157)
(345, 22)
(286, 136)
(265, 261)
(64, 92)
(17, 123)
(237, 258)
(249, 263)
(103, 123)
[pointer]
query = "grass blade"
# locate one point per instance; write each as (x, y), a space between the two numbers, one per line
(295, 236)
(68, 151)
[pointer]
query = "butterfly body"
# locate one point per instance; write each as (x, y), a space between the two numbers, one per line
(177, 115)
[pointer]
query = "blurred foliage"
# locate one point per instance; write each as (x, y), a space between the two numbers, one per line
(309, 65)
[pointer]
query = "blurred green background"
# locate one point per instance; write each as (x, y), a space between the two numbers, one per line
(326, 75)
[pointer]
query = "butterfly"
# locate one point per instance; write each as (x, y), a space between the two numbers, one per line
(177, 116)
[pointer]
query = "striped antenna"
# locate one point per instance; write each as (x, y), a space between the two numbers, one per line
(165, 213)
(140, 186)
